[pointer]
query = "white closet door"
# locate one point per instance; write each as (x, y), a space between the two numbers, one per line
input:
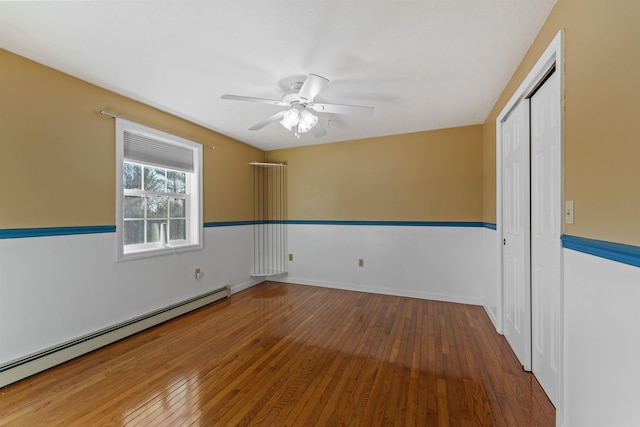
(516, 232)
(546, 228)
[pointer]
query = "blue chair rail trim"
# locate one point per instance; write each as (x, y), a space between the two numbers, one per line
(627, 254)
(388, 223)
(228, 223)
(489, 225)
(353, 222)
(18, 233)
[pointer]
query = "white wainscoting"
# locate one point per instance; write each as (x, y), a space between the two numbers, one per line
(490, 277)
(434, 262)
(54, 289)
(602, 342)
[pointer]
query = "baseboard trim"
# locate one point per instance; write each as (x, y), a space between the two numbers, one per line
(24, 367)
(383, 291)
(493, 317)
(246, 285)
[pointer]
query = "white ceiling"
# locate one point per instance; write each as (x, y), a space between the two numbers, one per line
(422, 64)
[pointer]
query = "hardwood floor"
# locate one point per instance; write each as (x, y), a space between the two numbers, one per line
(291, 355)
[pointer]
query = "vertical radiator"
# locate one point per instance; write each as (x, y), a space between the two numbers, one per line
(270, 219)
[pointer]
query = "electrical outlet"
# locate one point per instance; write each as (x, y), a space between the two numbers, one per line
(198, 274)
(290, 257)
(360, 262)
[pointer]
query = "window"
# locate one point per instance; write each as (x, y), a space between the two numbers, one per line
(159, 192)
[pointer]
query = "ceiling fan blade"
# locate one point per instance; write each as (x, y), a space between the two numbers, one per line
(312, 87)
(318, 131)
(252, 99)
(353, 110)
(276, 117)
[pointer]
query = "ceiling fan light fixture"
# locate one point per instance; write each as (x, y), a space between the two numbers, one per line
(307, 121)
(290, 119)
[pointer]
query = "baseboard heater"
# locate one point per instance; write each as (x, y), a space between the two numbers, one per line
(37, 362)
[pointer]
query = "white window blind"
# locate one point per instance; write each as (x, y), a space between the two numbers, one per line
(141, 148)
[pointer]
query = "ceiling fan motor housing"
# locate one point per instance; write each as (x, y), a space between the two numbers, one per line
(292, 98)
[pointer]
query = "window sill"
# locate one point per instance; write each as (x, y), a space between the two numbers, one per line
(157, 251)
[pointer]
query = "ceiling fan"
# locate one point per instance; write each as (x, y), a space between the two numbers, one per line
(299, 100)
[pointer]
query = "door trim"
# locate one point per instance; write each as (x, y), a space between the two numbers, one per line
(552, 56)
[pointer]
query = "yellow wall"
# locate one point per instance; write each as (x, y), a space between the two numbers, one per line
(602, 117)
(424, 176)
(57, 153)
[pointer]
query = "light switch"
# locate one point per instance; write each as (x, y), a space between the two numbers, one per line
(568, 212)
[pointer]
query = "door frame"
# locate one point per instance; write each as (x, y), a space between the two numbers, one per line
(553, 55)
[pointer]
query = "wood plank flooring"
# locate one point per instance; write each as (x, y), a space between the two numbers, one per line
(290, 355)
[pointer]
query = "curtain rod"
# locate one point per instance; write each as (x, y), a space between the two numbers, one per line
(116, 116)
(267, 164)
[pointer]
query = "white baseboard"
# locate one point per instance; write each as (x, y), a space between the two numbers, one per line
(246, 285)
(48, 358)
(493, 317)
(383, 291)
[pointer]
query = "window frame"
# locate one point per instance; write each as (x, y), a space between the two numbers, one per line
(194, 198)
